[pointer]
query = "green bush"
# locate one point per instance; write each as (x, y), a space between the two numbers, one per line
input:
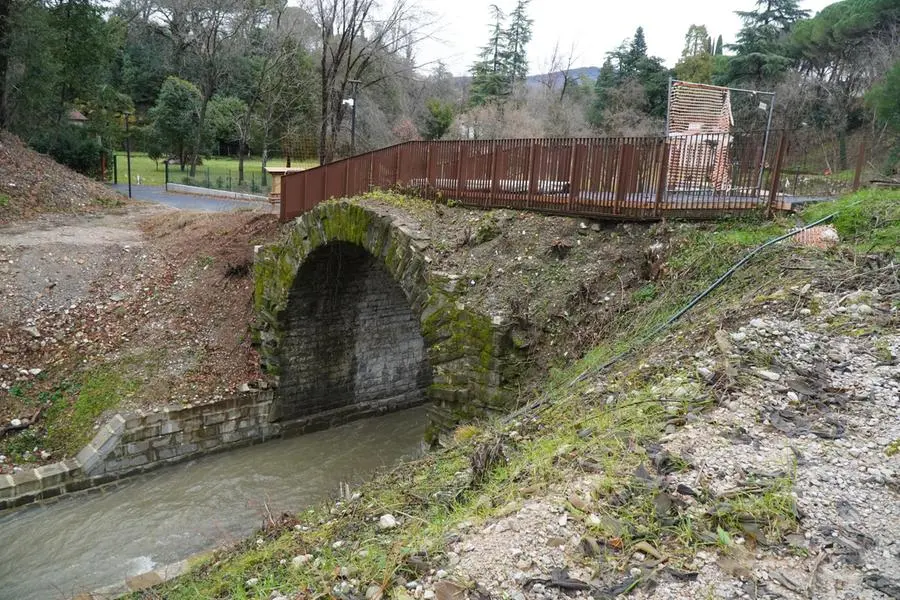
(72, 146)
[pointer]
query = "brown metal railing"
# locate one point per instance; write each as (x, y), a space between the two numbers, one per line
(627, 178)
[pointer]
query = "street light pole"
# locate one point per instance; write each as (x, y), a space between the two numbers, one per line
(355, 83)
(128, 152)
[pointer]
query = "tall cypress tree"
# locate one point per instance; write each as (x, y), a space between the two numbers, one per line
(517, 37)
(490, 79)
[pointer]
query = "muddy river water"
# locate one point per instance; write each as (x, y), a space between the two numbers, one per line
(90, 541)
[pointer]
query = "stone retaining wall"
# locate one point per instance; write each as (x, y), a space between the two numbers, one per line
(202, 191)
(136, 442)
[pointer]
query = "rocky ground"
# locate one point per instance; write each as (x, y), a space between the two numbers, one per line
(810, 407)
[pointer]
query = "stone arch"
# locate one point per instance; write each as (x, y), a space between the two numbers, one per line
(373, 258)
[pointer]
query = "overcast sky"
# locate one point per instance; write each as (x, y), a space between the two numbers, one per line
(593, 26)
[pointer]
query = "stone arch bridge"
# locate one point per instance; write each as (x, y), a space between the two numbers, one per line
(353, 322)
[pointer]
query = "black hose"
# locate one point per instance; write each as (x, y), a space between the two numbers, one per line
(725, 277)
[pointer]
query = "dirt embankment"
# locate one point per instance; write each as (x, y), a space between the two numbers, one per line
(144, 307)
(32, 183)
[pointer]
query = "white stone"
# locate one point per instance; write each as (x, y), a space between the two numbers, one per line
(16, 422)
(770, 375)
(387, 522)
(300, 560)
(252, 581)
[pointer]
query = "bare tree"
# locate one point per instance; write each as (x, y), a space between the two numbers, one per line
(558, 70)
(353, 34)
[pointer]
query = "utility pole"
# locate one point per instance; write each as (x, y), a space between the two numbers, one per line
(355, 83)
(128, 152)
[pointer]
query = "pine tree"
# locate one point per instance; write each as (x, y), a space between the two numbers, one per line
(606, 82)
(490, 76)
(517, 37)
(718, 50)
(630, 60)
(761, 53)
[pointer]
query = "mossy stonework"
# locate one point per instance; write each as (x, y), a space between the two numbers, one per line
(351, 320)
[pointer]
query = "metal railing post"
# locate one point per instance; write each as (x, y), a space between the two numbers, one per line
(776, 174)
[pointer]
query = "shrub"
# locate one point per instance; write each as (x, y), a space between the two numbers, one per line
(72, 146)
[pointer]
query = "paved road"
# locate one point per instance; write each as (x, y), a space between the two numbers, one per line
(159, 195)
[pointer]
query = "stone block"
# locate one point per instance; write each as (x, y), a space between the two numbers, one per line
(206, 432)
(88, 458)
(137, 448)
(7, 486)
(185, 449)
(116, 424)
(26, 482)
(228, 426)
(162, 441)
(210, 444)
(213, 419)
(170, 427)
(166, 453)
(143, 581)
(52, 475)
(153, 418)
(192, 424)
(230, 438)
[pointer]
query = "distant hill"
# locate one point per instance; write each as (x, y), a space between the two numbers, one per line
(586, 73)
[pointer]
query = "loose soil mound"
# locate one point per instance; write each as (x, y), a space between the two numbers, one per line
(32, 183)
(115, 312)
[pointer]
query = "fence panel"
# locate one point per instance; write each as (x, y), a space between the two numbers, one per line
(632, 177)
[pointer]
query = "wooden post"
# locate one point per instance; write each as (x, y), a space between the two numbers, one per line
(459, 168)
(776, 174)
(576, 172)
(529, 197)
(533, 170)
(428, 166)
(622, 176)
(490, 199)
(860, 163)
(346, 179)
(661, 178)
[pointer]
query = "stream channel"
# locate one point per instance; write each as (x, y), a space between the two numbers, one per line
(93, 540)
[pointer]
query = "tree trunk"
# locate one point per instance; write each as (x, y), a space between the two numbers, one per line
(199, 136)
(241, 163)
(4, 58)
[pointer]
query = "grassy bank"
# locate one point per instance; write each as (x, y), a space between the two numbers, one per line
(586, 419)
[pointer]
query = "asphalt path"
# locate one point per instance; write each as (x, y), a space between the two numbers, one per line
(193, 202)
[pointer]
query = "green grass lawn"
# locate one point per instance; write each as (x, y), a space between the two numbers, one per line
(219, 172)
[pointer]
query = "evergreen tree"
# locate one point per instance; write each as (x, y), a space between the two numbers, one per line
(718, 50)
(761, 50)
(603, 87)
(517, 37)
(630, 61)
(490, 77)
